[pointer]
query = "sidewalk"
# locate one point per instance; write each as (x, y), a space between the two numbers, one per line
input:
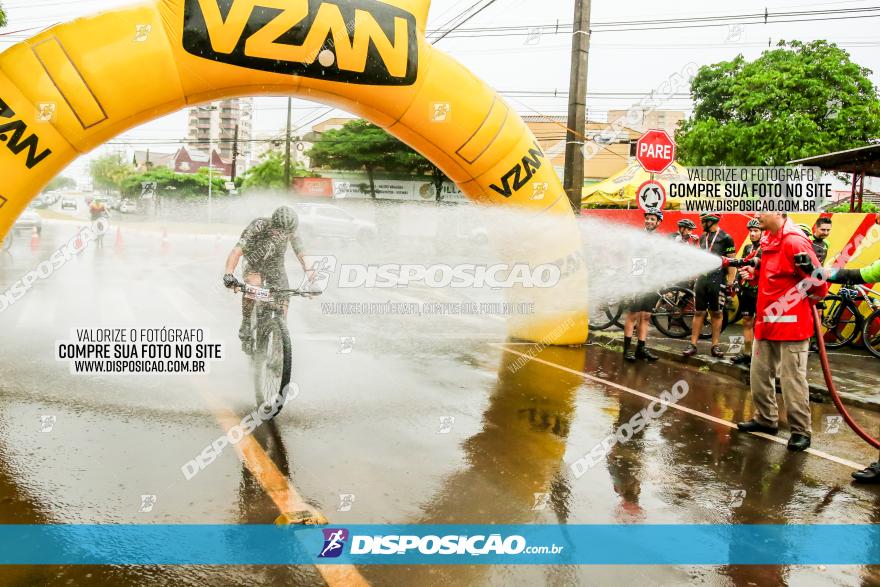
(855, 371)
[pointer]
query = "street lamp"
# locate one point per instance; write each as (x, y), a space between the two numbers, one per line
(210, 163)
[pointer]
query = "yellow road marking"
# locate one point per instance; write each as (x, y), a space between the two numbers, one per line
(812, 451)
(277, 487)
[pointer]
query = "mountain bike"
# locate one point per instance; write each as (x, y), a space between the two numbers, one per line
(841, 318)
(272, 355)
(673, 314)
(844, 322)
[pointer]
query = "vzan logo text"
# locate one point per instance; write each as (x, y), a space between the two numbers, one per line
(352, 41)
(521, 174)
(13, 133)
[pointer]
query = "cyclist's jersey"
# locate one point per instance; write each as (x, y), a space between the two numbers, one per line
(820, 247)
(748, 250)
(263, 246)
(96, 211)
(718, 243)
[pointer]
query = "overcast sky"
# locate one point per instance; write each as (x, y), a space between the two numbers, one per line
(619, 61)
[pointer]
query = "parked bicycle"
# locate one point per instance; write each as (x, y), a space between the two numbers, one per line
(272, 354)
(843, 321)
(673, 314)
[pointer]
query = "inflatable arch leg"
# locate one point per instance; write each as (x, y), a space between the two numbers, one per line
(77, 85)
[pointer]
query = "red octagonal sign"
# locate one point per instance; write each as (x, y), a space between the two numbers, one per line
(655, 151)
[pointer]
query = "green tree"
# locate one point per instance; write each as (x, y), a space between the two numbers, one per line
(60, 183)
(173, 185)
(795, 101)
(2, 17)
(108, 172)
(269, 173)
(360, 145)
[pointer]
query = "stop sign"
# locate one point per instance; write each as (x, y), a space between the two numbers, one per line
(655, 151)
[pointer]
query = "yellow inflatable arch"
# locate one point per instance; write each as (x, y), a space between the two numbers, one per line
(77, 85)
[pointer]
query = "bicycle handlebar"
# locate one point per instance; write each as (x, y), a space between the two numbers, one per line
(279, 292)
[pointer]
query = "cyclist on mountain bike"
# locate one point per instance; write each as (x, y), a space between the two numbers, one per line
(263, 244)
(685, 233)
(713, 288)
(639, 307)
(748, 294)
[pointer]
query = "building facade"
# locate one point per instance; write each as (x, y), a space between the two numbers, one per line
(217, 123)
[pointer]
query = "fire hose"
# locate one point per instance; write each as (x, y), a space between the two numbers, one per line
(823, 359)
(835, 396)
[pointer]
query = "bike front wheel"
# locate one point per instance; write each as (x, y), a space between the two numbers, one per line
(272, 365)
(871, 333)
(841, 321)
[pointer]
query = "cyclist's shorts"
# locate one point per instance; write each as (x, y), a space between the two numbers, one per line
(711, 295)
(748, 302)
(643, 303)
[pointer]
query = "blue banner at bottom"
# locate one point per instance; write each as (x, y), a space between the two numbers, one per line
(439, 545)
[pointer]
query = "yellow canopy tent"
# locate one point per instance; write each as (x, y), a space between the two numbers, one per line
(619, 191)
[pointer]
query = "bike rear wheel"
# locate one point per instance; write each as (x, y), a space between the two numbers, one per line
(871, 333)
(272, 364)
(841, 320)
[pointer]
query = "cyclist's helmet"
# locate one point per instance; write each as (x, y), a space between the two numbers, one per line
(808, 232)
(687, 223)
(754, 223)
(286, 219)
(708, 217)
(655, 212)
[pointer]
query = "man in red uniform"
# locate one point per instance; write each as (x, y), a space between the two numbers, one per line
(783, 327)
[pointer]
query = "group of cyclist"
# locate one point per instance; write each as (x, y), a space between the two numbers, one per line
(712, 290)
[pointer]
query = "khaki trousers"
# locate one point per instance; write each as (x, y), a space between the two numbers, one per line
(789, 359)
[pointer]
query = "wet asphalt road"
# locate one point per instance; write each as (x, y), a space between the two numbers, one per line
(377, 423)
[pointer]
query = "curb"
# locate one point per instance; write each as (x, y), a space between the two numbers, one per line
(818, 393)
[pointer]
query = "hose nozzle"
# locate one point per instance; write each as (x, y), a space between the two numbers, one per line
(736, 263)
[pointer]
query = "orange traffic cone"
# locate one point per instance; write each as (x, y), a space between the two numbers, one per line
(166, 246)
(119, 243)
(35, 240)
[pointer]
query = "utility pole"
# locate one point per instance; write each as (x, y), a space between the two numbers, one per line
(577, 105)
(234, 152)
(287, 148)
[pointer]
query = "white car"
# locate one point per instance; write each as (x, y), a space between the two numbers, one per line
(68, 204)
(327, 221)
(128, 207)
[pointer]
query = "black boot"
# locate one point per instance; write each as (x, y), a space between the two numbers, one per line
(628, 353)
(869, 475)
(644, 353)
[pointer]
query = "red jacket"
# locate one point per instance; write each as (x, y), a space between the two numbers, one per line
(784, 310)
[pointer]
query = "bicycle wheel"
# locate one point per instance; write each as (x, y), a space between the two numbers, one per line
(841, 320)
(272, 363)
(669, 314)
(871, 333)
(600, 318)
